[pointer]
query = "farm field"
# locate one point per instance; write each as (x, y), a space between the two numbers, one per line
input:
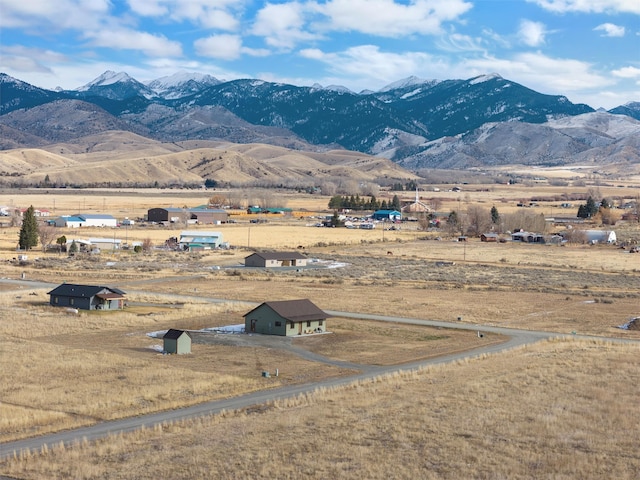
(57, 365)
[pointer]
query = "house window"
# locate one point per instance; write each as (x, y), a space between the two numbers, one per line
(278, 324)
(320, 322)
(292, 325)
(55, 300)
(308, 323)
(71, 301)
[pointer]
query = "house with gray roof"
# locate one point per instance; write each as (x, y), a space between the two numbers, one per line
(286, 318)
(86, 297)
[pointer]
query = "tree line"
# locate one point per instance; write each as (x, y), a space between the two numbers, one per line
(358, 203)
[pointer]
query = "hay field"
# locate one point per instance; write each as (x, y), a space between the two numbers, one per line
(554, 410)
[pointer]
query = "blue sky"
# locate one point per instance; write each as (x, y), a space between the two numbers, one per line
(588, 50)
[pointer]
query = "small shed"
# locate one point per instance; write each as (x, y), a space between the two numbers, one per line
(275, 259)
(177, 341)
(286, 318)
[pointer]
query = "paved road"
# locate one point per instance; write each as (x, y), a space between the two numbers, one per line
(101, 430)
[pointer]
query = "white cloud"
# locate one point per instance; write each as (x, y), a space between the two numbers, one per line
(60, 15)
(610, 30)
(224, 47)
(30, 60)
(218, 14)
(532, 33)
(457, 42)
(542, 73)
(627, 72)
(589, 6)
(125, 39)
(282, 25)
(388, 18)
(368, 66)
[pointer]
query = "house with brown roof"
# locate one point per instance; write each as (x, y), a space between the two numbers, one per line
(275, 259)
(286, 318)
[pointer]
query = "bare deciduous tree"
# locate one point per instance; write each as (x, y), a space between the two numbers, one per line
(46, 234)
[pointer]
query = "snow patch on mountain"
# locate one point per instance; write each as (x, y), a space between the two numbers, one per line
(406, 82)
(484, 78)
(181, 84)
(107, 78)
(616, 126)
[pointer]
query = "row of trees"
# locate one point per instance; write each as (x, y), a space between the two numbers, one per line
(358, 203)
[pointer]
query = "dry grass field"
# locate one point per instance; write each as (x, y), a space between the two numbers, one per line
(553, 410)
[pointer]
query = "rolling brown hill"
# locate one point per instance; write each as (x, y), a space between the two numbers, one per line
(124, 158)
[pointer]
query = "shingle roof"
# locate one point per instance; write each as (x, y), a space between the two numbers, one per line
(83, 291)
(174, 334)
(279, 255)
(295, 310)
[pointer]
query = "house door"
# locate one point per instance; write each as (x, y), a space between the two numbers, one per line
(253, 325)
(299, 328)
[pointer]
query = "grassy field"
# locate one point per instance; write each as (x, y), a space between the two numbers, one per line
(519, 414)
(554, 410)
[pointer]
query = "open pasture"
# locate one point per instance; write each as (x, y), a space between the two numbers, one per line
(63, 371)
(553, 410)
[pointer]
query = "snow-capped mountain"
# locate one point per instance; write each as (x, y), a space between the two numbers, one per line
(181, 84)
(115, 86)
(455, 123)
(411, 81)
(632, 109)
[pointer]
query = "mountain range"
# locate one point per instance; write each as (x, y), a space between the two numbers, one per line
(416, 123)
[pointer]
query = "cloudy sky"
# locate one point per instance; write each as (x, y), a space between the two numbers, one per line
(588, 50)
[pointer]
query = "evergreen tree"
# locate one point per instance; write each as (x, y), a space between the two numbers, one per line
(589, 209)
(29, 230)
(495, 216)
(395, 203)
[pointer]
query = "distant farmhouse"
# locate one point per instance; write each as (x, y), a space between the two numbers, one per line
(190, 215)
(286, 318)
(86, 220)
(275, 259)
(87, 297)
(193, 240)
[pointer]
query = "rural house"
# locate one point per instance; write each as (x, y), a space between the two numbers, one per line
(86, 297)
(177, 341)
(489, 237)
(193, 240)
(286, 318)
(275, 259)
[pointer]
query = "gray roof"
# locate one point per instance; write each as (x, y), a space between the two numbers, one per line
(83, 291)
(295, 310)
